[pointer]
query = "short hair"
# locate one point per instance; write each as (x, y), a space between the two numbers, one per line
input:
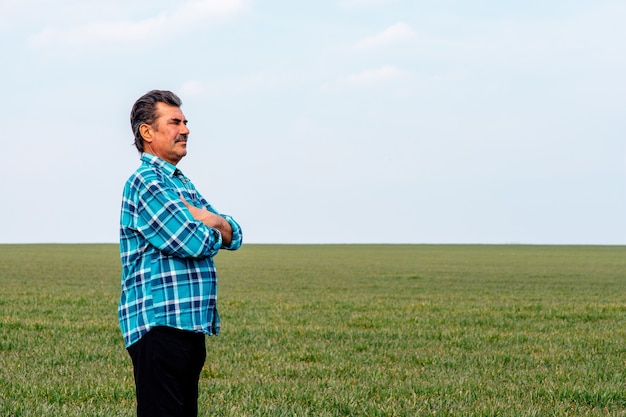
(144, 111)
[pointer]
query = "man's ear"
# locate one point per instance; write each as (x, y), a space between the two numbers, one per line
(146, 132)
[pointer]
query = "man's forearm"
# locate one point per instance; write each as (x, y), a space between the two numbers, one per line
(219, 223)
(212, 220)
(226, 231)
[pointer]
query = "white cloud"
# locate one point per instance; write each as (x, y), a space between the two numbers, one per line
(187, 15)
(252, 83)
(399, 32)
(396, 81)
(356, 4)
(374, 76)
(200, 10)
(101, 32)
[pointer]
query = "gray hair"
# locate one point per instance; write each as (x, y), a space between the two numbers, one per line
(144, 111)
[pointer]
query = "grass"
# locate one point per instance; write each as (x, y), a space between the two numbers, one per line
(336, 330)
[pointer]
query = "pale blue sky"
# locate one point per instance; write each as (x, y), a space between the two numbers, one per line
(336, 121)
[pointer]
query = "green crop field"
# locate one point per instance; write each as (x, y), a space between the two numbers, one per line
(336, 330)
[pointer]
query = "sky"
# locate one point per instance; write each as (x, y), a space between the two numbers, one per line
(334, 121)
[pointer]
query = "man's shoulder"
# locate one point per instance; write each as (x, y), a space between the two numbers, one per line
(145, 174)
(143, 171)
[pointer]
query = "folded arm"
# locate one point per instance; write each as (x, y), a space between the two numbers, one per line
(212, 220)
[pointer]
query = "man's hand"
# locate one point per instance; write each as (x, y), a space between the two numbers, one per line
(211, 220)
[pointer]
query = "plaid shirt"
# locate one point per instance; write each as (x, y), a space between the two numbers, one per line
(168, 274)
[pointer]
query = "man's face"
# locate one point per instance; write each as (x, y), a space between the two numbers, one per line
(168, 138)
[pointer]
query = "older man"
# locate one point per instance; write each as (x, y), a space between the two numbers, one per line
(169, 234)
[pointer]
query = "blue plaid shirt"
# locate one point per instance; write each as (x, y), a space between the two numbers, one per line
(168, 274)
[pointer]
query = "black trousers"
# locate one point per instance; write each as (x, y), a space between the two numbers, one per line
(167, 363)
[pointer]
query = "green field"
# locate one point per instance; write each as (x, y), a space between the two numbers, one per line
(336, 330)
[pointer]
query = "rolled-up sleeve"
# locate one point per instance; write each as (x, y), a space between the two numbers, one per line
(237, 239)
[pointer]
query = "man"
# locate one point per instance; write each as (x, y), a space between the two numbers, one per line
(168, 236)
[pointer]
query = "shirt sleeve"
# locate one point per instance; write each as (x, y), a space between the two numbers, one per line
(237, 239)
(167, 224)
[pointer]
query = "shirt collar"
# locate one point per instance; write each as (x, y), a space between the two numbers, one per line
(159, 163)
